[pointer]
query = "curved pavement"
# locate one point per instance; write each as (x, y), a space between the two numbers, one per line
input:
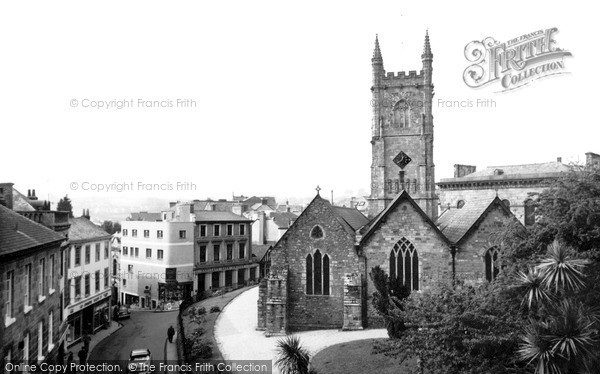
(238, 339)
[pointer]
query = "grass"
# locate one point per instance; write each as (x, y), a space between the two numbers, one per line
(210, 318)
(357, 356)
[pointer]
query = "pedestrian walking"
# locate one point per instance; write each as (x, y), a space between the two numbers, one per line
(86, 341)
(82, 356)
(170, 333)
(69, 362)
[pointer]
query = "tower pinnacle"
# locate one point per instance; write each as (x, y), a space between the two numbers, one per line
(427, 47)
(377, 52)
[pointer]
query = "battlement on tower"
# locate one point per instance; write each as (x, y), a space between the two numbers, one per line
(412, 74)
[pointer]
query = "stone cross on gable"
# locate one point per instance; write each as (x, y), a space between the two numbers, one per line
(318, 189)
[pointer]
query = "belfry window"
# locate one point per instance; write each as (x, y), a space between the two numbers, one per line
(492, 267)
(317, 274)
(404, 264)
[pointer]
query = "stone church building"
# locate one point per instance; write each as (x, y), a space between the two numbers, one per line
(319, 275)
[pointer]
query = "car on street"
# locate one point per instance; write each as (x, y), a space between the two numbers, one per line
(124, 312)
(139, 361)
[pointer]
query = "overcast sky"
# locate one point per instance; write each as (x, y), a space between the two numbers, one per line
(282, 92)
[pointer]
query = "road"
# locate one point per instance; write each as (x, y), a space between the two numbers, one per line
(143, 330)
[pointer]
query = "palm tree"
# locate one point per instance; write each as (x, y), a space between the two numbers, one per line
(561, 338)
(292, 358)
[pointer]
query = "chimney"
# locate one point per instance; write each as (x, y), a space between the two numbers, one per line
(559, 159)
(263, 201)
(28, 193)
(6, 195)
(463, 170)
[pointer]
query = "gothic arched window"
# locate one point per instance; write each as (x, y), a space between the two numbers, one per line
(491, 264)
(401, 114)
(404, 264)
(317, 274)
(529, 212)
(316, 232)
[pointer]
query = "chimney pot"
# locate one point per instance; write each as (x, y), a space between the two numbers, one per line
(559, 159)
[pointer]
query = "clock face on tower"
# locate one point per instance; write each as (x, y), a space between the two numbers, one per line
(402, 160)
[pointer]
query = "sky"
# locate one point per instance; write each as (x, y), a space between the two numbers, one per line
(274, 97)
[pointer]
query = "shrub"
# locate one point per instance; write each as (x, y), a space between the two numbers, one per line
(190, 311)
(215, 309)
(201, 311)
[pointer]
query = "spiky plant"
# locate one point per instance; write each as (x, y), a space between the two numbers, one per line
(292, 358)
(534, 290)
(560, 270)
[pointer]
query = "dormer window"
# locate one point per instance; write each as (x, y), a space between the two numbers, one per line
(460, 204)
(498, 172)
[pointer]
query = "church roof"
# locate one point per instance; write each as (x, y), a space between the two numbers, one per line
(369, 229)
(351, 216)
(455, 224)
(504, 172)
(18, 233)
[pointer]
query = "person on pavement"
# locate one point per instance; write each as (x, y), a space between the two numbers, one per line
(82, 356)
(170, 333)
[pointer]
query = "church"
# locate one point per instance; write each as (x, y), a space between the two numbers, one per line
(319, 274)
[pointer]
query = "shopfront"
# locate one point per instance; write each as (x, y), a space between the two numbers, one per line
(88, 316)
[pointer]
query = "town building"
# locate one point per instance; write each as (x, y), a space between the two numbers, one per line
(319, 269)
(115, 271)
(222, 251)
(31, 269)
(156, 261)
(87, 296)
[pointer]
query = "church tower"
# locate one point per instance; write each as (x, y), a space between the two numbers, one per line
(402, 135)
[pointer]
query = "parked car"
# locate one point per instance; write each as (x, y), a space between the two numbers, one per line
(124, 312)
(139, 361)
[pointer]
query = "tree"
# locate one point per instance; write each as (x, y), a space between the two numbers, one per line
(111, 227)
(64, 205)
(292, 358)
(388, 297)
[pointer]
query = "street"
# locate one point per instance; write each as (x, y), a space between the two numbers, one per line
(143, 330)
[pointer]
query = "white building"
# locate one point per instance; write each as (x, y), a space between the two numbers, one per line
(87, 290)
(156, 261)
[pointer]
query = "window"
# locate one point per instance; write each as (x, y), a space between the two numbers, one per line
(68, 257)
(137, 252)
(124, 232)
(148, 253)
(460, 204)
(50, 330)
(62, 262)
(317, 274)
(242, 229)
(134, 233)
(77, 256)
(27, 282)
(124, 282)
(159, 234)
(159, 254)
(87, 254)
(51, 271)
(491, 264)
(40, 341)
(404, 264)
(316, 232)
(106, 246)
(146, 233)
(105, 278)
(77, 287)
(229, 229)
(115, 266)
(87, 285)
(202, 230)
(97, 281)
(181, 234)
(42, 278)
(202, 253)
(68, 292)
(10, 294)
(97, 252)
(124, 250)
(216, 230)
(229, 251)
(26, 348)
(130, 268)
(242, 250)
(529, 212)
(216, 252)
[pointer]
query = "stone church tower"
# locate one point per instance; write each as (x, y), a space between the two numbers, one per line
(402, 135)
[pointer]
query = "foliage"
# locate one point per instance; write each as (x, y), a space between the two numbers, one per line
(215, 309)
(111, 227)
(292, 357)
(201, 311)
(387, 297)
(65, 205)
(197, 347)
(461, 329)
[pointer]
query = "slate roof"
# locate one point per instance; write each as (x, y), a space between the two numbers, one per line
(215, 216)
(351, 216)
(283, 220)
(259, 250)
(18, 233)
(82, 229)
(145, 216)
(369, 229)
(21, 202)
(542, 170)
(252, 201)
(456, 223)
